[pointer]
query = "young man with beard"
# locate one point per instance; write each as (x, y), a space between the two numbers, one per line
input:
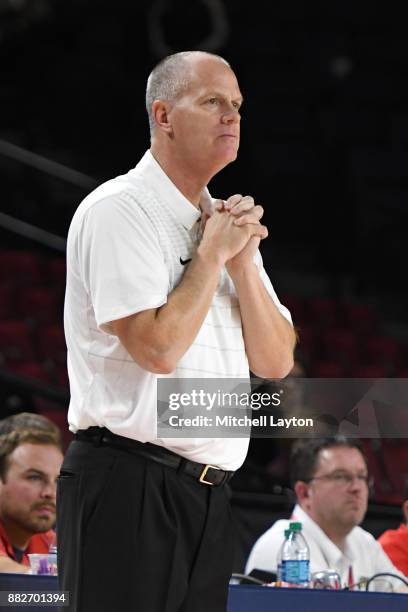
(30, 460)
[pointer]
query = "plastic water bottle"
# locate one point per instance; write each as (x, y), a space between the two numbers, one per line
(295, 558)
(279, 559)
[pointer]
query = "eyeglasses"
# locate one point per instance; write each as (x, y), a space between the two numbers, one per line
(345, 479)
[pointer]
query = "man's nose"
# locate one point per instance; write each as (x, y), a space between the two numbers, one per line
(231, 116)
(357, 484)
(49, 490)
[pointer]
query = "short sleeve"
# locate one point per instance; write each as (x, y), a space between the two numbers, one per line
(120, 261)
(268, 286)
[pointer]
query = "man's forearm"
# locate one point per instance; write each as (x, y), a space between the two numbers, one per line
(157, 339)
(186, 308)
(269, 338)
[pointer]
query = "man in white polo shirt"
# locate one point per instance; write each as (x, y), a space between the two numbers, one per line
(161, 280)
(330, 479)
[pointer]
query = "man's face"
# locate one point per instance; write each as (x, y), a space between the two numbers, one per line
(205, 120)
(338, 494)
(27, 496)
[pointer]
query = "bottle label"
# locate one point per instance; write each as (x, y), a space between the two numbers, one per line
(295, 571)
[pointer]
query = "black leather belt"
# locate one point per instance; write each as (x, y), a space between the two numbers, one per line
(204, 473)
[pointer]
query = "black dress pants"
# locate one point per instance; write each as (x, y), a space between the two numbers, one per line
(138, 536)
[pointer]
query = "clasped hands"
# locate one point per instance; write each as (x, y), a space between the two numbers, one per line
(234, 229)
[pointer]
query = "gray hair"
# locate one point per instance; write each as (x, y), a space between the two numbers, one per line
(170, 78)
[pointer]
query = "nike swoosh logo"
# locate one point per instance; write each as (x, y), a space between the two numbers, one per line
(184, 261)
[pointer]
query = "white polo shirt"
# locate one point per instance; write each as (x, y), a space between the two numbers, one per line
(126, 244)
(361, 551)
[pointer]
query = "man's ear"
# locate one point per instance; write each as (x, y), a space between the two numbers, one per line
(160, 111)
(302, 491)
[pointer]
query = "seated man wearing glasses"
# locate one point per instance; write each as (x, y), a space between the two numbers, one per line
(331, 482)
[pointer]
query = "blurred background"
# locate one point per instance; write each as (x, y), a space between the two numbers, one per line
(324, 149)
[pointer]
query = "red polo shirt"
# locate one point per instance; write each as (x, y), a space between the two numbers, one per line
(39, 543)
(395, 544)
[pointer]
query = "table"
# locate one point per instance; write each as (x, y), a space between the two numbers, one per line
(244, 598)
(247, 598)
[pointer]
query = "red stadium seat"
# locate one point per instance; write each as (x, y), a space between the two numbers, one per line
(21, 267)
(380, 350)
(340, 344)
(51, 343)
(296, 308)
(361, 318)
(369, 371)
(61, 376)
(57, 416)
(40, 304)
(30, 369)
(15, 341)
(57, 271)
(308, 345)
(383, 489)
(395, 457)
(327, 369)
(322, 312)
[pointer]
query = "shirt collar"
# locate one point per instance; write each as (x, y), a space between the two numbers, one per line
(10, 550)
(331, 552)
(157, 180)
(38, 543)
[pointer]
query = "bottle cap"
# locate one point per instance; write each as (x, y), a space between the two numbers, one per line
(287, 532)
(295, 526)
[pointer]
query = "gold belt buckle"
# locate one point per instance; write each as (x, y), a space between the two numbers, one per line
(204, 473)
